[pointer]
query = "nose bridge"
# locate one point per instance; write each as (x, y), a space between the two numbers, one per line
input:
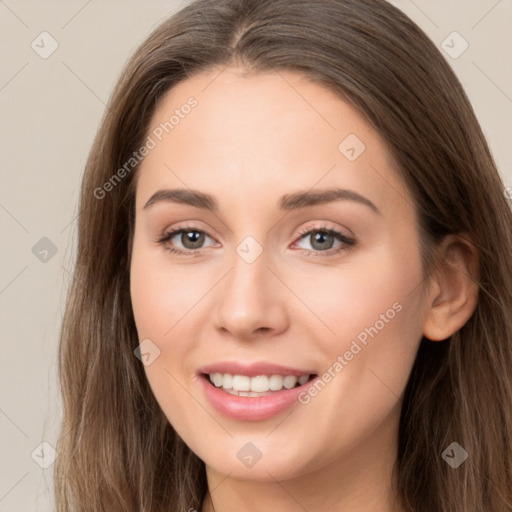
(249, 277)
(251, 252)
(248, 299)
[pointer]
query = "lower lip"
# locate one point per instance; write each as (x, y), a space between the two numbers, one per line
(257, 408)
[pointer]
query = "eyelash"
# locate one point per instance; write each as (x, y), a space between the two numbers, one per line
(348, 243)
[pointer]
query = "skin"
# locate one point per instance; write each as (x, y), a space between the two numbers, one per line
(251, 139)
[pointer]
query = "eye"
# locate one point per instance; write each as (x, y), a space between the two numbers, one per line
(323, 238)
(190, 237)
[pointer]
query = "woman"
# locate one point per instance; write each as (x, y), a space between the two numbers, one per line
(216, 353)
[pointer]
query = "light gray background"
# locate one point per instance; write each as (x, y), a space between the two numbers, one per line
(50, 110)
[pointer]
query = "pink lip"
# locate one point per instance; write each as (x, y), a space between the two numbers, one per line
(244, 408)
(254, 369)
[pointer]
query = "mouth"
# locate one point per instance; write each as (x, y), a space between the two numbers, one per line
(255, 386)
(253, 392)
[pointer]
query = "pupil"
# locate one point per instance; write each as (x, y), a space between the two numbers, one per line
(194, 237)
(320, 236)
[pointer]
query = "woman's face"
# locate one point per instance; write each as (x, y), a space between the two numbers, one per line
(302, 263)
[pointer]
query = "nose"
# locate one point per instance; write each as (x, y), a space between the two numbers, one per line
(251, 300)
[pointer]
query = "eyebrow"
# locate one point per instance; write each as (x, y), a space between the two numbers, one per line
(287, 202)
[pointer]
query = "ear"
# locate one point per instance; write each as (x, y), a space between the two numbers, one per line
(453, 292)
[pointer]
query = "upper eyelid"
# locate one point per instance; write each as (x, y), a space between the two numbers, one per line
(301, 231)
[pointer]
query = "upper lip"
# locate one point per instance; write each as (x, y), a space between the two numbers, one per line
(253, 369)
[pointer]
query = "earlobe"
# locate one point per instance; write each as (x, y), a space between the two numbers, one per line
(453, 294)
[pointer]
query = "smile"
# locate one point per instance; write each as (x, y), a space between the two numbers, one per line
(260, 385)
(253, 392)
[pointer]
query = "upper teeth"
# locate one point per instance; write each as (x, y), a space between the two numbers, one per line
(260, 383)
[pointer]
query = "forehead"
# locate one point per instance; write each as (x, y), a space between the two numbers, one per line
(262, 135)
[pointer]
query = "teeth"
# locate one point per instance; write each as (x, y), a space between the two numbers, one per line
(244, 385)
(303, 379)
(259, 383)
(276, 382)
(217, 379)
(289, 381)
(241, 383)
(227, 382)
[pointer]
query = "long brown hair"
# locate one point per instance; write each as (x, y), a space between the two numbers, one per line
(116, 450)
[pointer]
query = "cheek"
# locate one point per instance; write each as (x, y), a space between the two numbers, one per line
(162, 295)
(375, 311)
(161, 298)
(365, 291)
